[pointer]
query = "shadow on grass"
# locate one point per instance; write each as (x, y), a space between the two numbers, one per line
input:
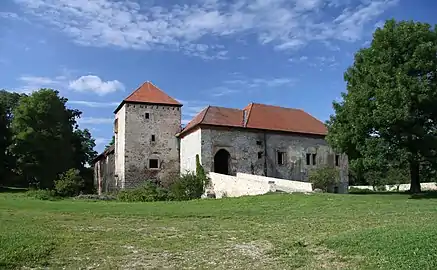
(12, 189)
(424, 195)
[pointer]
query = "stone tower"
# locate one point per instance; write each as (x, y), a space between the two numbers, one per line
(145, 127)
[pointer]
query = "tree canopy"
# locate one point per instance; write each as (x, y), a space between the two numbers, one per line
(388, 116)
(40, 138)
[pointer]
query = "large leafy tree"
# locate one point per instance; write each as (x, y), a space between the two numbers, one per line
(8, 102)
(43, 136)
(389, 115)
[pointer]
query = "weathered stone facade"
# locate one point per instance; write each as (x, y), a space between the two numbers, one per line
(151, 149)
(257, 152)
(104, 173)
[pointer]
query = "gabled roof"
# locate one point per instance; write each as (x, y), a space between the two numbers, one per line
(148, 93)
(261, 117)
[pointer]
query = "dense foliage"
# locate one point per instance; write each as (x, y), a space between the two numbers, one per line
(324, 178)
(388, 118)
(40, 140)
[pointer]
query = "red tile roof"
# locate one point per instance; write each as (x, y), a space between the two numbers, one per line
(259, 116)
(149, 93)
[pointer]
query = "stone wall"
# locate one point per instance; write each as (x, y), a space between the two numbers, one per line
(255, 152)
(104, 174)
(152, 138)
(190, 147)
(279, 184)
(402, 187)
(232, 186)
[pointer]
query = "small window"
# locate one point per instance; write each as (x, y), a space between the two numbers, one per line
(116, 125)
(259, 143)
(281, 158)
(308, 159)
(314, 159)
(337, 160)
(147, 115)
(260, 155)
(153, 138)
(153, 164)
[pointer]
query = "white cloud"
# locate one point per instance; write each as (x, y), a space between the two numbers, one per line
(12, 16)
(93, 104)
(262, 82)
(286, 25)
(95, 120)
(95, 84)
(35, 80)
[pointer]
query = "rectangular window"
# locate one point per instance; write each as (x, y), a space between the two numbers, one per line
(259, 143)
(308, 159)
(314, 159)
(260, 155)
(147, 115)
(281, 158)
(116, 125)
(153, 164)
(337, 160)
(153, 138)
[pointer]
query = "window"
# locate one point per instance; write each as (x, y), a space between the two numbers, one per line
(116, 125)
(308, 159)
(260, 155)
(153, 138)
(153, 164)
(259, 143)
(314, 159)
(337, 160)
(281, 158)
(147, 115)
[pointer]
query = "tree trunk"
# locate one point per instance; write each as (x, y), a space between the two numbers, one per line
(414, 174)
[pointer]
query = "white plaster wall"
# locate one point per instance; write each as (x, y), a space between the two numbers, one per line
(281, 184)
(402, 187)
(232, 186)
(190, 147)
(120, 143)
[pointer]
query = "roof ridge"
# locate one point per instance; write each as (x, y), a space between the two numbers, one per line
(204, 114)
(133, 92)
(248, 114)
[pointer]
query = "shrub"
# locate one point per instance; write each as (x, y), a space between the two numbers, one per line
(188, 187)
(95, 197)
(354, 190)
(324, 178)
(70, 184)
(43, 194)
(149, 192)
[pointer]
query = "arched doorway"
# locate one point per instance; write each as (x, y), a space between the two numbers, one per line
(221, 162)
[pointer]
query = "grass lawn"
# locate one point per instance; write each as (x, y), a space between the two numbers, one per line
(279, 231)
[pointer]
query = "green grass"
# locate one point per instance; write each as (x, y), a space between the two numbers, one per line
(277, 231)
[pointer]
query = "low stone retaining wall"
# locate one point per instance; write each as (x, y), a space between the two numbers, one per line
(247, 184)
(402, 187)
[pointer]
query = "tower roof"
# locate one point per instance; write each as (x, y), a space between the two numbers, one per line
(148, 93)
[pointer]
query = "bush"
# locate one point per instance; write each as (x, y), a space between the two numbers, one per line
(70, 184)
(149, 192)
(95, 197)
(43, 194)
(188, 187)
(324, 178)
(354, 190)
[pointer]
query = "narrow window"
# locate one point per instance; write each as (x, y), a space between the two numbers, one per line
(153, 138)
(147, 115)
(308, 159)
(281, 158)
(260, 155)
(116, 125)
(314, 159)
(337, 160)
(153, 164)
(259, 142)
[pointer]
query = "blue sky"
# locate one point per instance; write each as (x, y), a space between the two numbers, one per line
(290, 53)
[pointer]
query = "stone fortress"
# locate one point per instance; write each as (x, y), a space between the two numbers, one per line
(262, 140)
